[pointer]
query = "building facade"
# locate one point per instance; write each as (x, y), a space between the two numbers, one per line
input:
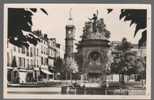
(31, 64)
(53, 53)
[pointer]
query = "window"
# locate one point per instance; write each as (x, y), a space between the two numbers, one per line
(44, 42)
(52, 55)
(9, 75)
(37, 51)
(34, 62)
(28, 63)
(27, 52)
(23, 59)
(18, 50)
(46, 61)
(8, 59)
(23, 50)
(41, 49)
(31, 63)
(37, 63)
(20, 62)
(44, 50)
(41, 60)
(31, 52)
(34, 51)
(14, 48)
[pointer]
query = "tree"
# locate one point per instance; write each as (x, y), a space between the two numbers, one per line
(138, 17)
(115, 66)
(141, 68)
(124, 46)
(128, 62)
(122, 64)
(14, 63)
(58, 66)
(71, 66)
(20, 20)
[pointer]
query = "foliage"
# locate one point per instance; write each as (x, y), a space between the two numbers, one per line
(141, 68)
(130, 63)
(124, 46)
(58, 65)
(70, 68)
(127, 62)
(115, 66)
(124, 62)
(71, 65)
(20, 20)
(138, 17)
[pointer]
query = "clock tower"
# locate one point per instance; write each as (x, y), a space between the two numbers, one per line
(69, 40)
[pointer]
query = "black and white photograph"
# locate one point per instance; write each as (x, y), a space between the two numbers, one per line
(77, 51)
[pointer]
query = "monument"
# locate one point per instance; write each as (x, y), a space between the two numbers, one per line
(93, 51)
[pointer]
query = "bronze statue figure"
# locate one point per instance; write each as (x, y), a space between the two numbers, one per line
(94, 18)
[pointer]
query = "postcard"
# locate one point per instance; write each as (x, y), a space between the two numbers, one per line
(77, 51)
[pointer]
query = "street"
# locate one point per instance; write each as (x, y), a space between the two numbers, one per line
(42, 90)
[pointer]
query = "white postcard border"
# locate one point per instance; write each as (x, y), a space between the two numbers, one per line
(45, 96)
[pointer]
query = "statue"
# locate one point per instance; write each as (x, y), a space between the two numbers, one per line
(100, 25)
(94, 22)
(95, 29)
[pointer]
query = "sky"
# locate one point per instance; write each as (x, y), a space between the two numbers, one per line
(54, 23)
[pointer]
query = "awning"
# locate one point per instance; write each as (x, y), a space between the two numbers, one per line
(22, 70)
(46, 72)
(9, 67)
(15, 69)
(44, 66)
(36, 69)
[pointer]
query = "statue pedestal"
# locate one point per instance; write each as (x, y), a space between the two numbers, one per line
(94, 59)
(93, 50)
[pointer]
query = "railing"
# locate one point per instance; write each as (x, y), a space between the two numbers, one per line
(101, 91)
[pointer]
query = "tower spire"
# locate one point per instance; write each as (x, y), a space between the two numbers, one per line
(70, 14)
(97, 12)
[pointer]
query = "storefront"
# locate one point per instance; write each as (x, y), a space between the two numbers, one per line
(36, 74)
(9, 74)
(45, 73)
(30, 76)
(22, 75)
(13, 75)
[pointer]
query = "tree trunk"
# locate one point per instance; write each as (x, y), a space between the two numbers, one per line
(71, 77)
(66, 76)
(122, 78)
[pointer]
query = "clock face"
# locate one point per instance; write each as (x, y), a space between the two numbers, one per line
(69, 32)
